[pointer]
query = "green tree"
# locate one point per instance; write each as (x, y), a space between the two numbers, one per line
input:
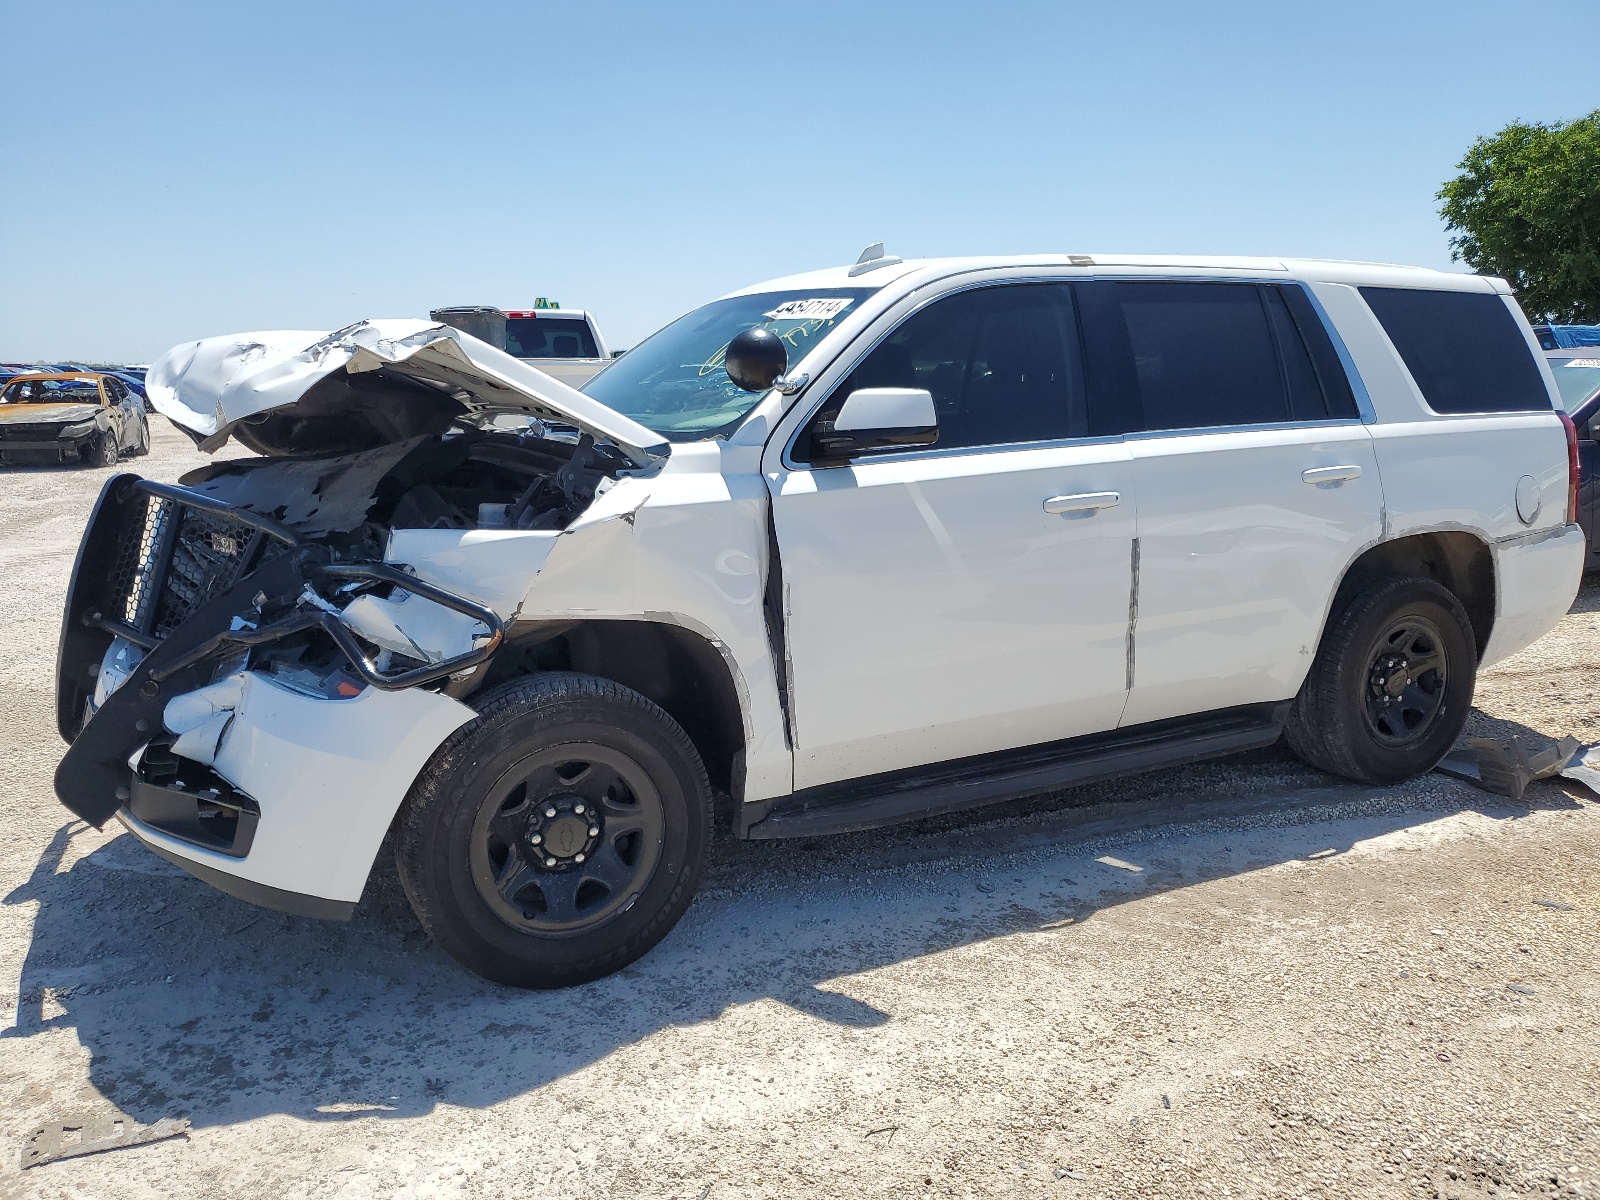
(1526, 206)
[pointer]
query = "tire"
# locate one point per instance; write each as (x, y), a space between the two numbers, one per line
(104, 451)
(142, 446)
(1350, 719)
(477, 819)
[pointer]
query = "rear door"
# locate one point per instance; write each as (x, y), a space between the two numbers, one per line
(969, 598)
(1257, 484)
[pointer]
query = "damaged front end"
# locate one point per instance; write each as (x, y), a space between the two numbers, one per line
(248, 676)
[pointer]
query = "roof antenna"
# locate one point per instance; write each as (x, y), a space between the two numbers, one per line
(871, 259)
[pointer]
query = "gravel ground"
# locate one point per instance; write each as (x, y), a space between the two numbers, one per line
(1245, 979)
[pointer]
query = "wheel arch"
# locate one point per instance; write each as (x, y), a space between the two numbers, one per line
(682, 668)
(1456, 559)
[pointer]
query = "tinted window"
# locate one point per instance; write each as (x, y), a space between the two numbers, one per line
(1464, 349)
(1002, 364)
(549, 337)
(1337, 398)
(1203, 354)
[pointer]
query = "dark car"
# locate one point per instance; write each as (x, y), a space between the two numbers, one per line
(1577, 372)
(79, 416)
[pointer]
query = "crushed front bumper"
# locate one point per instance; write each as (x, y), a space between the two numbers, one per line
(296, 798)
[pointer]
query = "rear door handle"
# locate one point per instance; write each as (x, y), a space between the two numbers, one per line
(1317, 475)
(1083, 502)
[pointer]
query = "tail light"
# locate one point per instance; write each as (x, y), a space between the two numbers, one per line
(1572, 467)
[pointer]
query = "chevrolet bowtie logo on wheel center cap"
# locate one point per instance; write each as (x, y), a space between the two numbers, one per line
(566, 836)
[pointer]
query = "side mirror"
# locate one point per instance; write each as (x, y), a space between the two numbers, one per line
(877, 419)
(756, 359)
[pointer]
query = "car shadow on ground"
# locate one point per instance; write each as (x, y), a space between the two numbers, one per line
(192, 1003)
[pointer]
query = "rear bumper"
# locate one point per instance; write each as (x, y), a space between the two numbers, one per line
(1536, 578)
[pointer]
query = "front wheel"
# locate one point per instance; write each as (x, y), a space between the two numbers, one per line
(103, 453)
(1390, 688)
(559, 835)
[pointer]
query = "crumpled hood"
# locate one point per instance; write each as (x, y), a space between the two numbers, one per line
(64, 413)
(297, 392)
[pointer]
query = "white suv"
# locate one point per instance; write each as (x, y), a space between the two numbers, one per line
(847, 548)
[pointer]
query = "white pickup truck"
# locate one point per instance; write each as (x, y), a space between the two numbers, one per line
(564, 343)
(848, 548)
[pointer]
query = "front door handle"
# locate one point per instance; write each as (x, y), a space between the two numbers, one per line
(1321, 475)
(1083, 502)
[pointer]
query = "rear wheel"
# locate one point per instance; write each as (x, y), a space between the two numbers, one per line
(559, 835)
(1390, 688)
(141, 445)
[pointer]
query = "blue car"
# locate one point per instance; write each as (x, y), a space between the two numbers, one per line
(1567, 337)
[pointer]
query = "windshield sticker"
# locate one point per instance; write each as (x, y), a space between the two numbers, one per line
(1582, 362)
(819, 309)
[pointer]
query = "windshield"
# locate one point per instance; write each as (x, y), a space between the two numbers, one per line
(55, 391)
(674, 382)
(1578, 379)
(550, 337)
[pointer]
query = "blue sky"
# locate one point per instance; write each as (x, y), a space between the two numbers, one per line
(178, 170)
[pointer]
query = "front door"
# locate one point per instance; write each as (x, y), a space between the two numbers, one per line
(959, 600)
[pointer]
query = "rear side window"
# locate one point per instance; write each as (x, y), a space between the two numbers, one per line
(1195, 355)
(1464, 349)
(549, 337)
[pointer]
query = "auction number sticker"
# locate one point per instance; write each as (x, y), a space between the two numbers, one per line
(1582, 362)
(820, 309)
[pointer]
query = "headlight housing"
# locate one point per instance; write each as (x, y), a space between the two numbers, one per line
(78, 430)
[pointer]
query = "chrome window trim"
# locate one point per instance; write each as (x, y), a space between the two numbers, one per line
(1364, 408)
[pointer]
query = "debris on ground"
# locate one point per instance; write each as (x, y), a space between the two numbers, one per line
(1506, 766)
(95, 1133)
(1118, 863)
(1558, 905)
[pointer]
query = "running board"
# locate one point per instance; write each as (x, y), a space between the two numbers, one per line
(930, 791)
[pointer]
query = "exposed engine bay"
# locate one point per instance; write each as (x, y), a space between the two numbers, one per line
(526, 477)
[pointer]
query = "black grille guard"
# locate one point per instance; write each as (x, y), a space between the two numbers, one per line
(271, 571)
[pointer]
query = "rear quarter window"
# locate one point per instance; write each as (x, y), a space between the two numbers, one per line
(1464, 349)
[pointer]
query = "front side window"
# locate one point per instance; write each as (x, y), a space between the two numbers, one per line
(674, 381)
(549, 337)
(1464, 349)
(1001, 362)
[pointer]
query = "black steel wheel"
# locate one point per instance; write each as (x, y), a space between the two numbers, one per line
(1406, 682)
(1391, 685)
(559, 835)
(567, 838)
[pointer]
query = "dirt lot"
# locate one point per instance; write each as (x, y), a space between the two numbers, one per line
(1164, 987)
